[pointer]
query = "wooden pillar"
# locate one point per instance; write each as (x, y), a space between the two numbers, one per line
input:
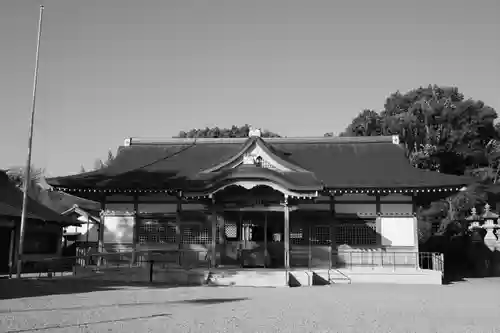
(332, 232)
(178, 235)
(378, 204)
(309, 246)
(378, 225)
(12, 248)
(286, 211)
(214, 234)
(135, 238)
(265, 239)
(60, 237)
(178, 220)
(241, 227)
(414, 203)
(100, 238)
(221, 227)
(88, 230)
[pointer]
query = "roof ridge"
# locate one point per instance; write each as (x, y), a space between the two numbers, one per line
(176, 141)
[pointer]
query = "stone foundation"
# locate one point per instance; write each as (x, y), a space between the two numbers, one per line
(143, 274)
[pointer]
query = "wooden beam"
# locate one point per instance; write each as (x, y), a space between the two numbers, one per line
(414, 204)
(100, 237)
(178, 220)
(214, 234)
(287, 238)
(333, 238)
(135, 238)
(12, 249)
(265, 239)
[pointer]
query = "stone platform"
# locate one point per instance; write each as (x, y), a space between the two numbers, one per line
(260, 277)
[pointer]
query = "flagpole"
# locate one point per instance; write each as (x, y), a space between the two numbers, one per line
(27, 170)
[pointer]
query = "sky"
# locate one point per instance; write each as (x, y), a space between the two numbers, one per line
(115, 69)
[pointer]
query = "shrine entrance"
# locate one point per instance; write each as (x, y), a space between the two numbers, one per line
(256, 223)
(253, 238)
(262, 239)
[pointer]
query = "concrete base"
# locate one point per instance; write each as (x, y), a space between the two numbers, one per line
(260, 277)
(382, 275)
(248, 277)
(143, 274)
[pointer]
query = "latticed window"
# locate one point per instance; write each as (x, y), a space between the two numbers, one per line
(321, 235)
(148, 226)
(231, 231)
(296, 235)
(356, 234)
(196, 235)
(171, 234)
(156, 231)
(205, 236)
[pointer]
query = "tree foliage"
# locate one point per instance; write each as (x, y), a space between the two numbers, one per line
(444, 132)
(36, 182)
(440, 129)
(216, 132)
(100, 164)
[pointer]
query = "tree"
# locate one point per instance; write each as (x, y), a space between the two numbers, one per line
(441, 131)
(100, 164)
(216, 132)
(439, 128)
(366, 123)
(35, 186)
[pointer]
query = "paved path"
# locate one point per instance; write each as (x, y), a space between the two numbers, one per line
(462, 307)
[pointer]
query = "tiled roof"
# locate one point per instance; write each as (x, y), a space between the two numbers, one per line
(11, 202)
(336, 163)
(61, 202)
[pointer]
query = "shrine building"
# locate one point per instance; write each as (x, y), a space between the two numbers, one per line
(331, 202)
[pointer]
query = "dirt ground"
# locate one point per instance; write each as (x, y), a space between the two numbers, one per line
(82, 306)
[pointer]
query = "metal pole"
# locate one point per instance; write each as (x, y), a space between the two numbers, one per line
(27, 171)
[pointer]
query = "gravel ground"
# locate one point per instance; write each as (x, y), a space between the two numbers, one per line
(472, 306)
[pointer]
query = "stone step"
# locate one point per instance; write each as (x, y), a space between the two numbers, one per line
(248, 278)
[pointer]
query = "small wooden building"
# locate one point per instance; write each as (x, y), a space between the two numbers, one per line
(43, 233)
(271, 202)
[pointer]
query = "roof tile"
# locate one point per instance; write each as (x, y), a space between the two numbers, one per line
(338, 163)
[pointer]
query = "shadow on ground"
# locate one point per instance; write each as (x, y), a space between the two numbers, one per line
(211, 301)
(201, 302)
(85, 325)
(448, 281)
(20, 288)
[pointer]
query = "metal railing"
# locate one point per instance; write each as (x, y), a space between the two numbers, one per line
(390, 259)
(161, 259)
(318, 258)
(323, 257)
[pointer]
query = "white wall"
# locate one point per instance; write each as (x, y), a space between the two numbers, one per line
(398, 231)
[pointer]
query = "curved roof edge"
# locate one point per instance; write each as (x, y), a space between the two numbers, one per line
(294, 181)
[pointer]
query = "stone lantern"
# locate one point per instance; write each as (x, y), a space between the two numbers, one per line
(490, 225)
(474, 224)
(486, 251)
